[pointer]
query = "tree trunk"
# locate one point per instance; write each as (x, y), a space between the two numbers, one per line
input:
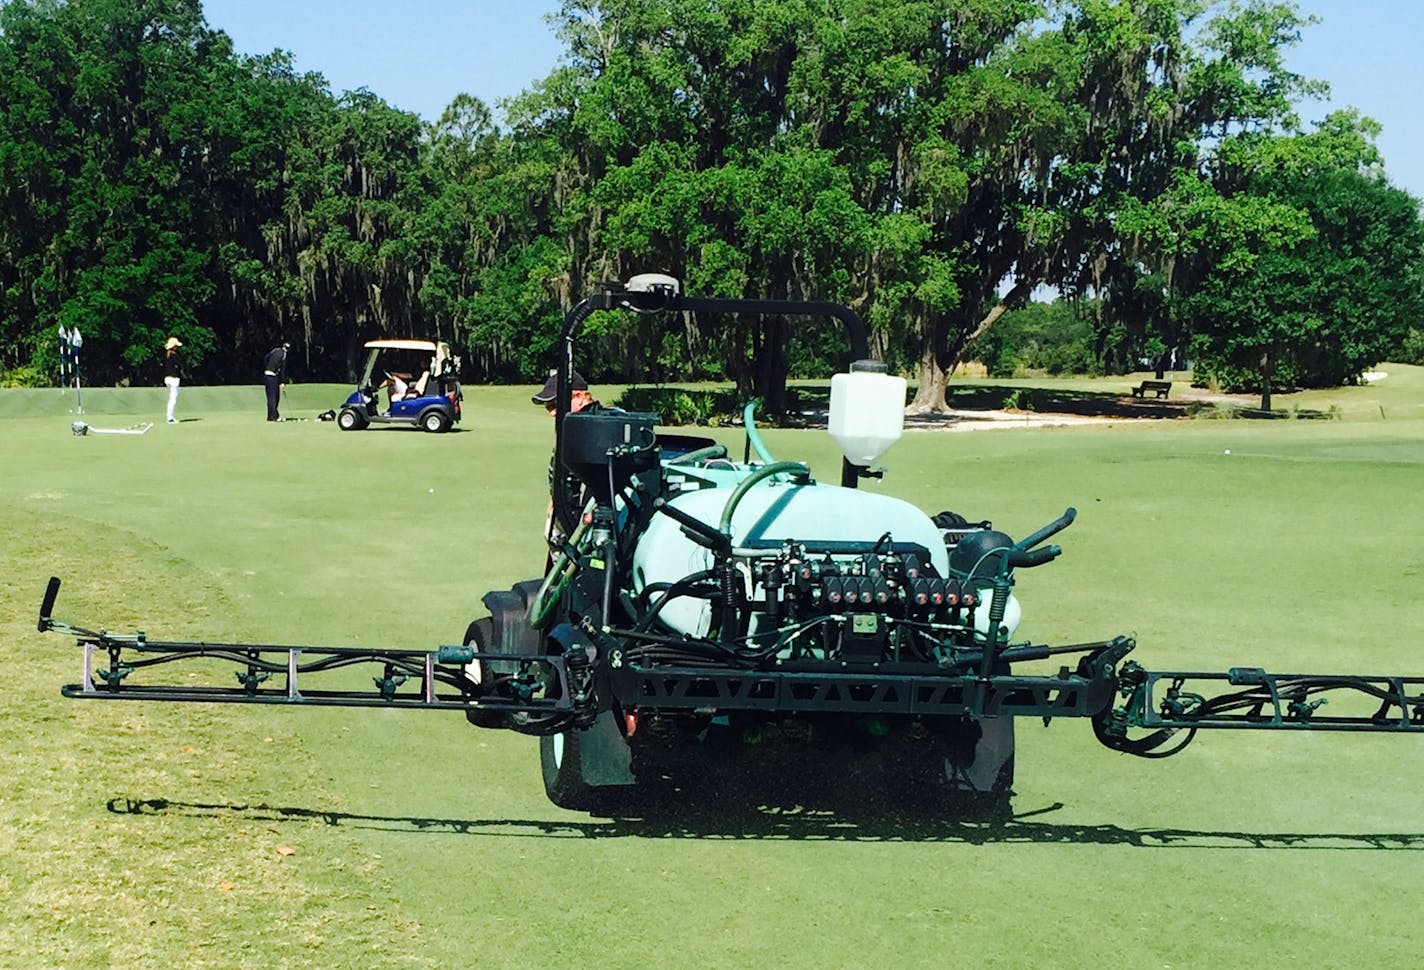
(941, 355)
(773, 364)
(1268, 368)
(932, 382)
(931, 377)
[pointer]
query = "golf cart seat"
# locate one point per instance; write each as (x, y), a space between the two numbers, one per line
(418, 388)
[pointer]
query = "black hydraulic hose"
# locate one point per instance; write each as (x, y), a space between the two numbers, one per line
(610, 569)
(706, 592)
(1032, 557)
(679, 648)
(1052, 528)
(677, 589)
(698, 531)
(1148, 747)
(610, 554)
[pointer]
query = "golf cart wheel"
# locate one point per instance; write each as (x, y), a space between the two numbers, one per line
(435, 421)
(587, 771)
(479, 635)
(350, 420)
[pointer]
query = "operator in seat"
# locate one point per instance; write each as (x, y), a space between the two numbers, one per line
(581, 399)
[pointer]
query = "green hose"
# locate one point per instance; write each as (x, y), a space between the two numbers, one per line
(753, 435)
(544, 601)
(765, 471)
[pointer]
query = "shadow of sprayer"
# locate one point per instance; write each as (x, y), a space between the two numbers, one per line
(793, 823)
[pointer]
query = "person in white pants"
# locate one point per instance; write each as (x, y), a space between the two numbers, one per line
(172, 373)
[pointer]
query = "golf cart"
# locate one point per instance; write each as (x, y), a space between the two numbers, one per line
(405, 382)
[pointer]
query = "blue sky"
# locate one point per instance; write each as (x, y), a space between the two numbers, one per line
(418, 56)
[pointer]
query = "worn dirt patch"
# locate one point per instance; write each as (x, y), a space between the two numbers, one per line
(1002, 420)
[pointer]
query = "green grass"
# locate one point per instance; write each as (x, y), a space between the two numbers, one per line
(148, 835)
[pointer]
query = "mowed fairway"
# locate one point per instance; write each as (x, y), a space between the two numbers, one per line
(135, 836)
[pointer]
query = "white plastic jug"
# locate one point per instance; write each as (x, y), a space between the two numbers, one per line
(867, 411)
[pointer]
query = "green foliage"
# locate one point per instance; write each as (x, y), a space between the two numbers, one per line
(930, 164)
(1319, 311)
(1411, 350)
(682, 406)
(24, 377)
(1056, 338)
(1019, 399)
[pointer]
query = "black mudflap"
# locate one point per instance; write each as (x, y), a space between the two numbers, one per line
(975, 757)
(588, 770)
(505, 630)
(509, 614)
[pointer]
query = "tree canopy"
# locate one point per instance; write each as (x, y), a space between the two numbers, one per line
(931, 163)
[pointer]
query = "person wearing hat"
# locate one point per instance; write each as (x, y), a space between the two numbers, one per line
(172, 373)
(274, 375)
(580, 399)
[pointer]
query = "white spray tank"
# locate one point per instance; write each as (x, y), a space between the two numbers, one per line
(867, 411)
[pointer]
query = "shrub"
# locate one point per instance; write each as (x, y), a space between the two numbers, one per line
(679, 406)
(1019, 399)
(23, 377)
(1212, 410)
(1412, 350)
(1074, 357)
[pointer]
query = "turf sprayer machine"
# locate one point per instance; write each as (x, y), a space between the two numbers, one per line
(695, 604)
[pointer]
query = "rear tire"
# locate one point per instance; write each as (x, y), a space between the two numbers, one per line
(586, 771)
(480, 634)
(435, 422)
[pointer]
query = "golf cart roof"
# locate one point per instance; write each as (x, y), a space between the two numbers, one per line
(426, 345)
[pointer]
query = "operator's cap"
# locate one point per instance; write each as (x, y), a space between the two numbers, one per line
(545, 396)
(172, 342)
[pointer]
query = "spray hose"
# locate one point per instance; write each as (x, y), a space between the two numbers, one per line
(563, 569)
(753, 435)
(801, 469)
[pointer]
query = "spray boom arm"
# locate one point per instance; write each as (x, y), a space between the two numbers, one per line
(556, 691)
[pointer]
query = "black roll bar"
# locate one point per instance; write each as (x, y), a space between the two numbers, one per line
(667, 300)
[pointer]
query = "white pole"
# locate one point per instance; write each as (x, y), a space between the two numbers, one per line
(78, 342)
(63, 359)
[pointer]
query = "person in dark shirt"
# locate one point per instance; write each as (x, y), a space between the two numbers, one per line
(172, 373)
(274, 375)
(580, 399)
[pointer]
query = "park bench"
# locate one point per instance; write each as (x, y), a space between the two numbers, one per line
(1160, 388)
